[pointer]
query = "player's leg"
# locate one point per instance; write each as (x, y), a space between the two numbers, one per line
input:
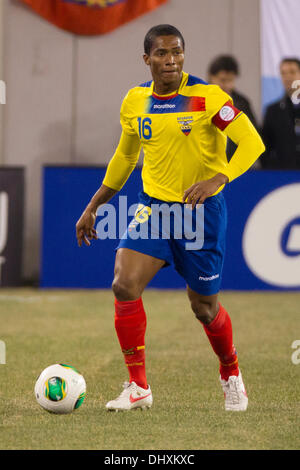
(218, 328)
(133, 271)
(217, 325)
(202, 270)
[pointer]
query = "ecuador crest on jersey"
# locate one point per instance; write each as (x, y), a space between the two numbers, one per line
(91, 17)
(185, 124)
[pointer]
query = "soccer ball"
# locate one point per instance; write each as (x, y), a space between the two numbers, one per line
(60, 389)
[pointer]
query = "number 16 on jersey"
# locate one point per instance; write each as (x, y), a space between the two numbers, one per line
(145, 130)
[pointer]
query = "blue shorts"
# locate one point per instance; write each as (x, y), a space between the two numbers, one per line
(193, 241)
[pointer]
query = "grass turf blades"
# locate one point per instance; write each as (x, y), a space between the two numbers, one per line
(40, 328)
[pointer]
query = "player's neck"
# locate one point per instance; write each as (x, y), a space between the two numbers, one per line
(161, 88)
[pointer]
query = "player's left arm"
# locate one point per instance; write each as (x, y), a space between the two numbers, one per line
(249, 148)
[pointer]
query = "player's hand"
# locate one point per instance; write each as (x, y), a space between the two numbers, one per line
(84, 228)
(198, 192)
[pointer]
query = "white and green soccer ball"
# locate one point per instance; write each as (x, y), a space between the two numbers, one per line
(60, 389)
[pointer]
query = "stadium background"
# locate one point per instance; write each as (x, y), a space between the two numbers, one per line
(64, 91)
(63, 98)
(60, 124)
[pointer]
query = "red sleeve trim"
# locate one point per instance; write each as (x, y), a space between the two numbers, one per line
(225, 116)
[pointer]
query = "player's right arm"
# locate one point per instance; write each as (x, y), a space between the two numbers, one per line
(118, 171)
(119, 168)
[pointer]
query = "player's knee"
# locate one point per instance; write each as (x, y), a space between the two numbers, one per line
(204, 312)
(125, 289)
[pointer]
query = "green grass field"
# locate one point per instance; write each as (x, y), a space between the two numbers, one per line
(41, 328)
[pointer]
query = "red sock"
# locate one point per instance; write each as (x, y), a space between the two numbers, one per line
(219, 333)
(130, 324)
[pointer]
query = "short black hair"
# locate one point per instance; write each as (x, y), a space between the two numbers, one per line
(225, 63)
(287, 60)
(160, 30)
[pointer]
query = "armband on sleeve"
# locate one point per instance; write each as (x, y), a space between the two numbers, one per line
(227, 114)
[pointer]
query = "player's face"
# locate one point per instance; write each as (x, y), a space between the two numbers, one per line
(289, 73)
(225, 80)
(166, 62)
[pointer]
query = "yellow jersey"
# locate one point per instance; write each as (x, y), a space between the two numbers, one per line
(181, 135)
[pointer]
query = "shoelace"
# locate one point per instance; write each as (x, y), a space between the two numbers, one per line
(126, 385)
(234, 387)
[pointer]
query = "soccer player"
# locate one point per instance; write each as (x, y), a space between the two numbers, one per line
(182, 124)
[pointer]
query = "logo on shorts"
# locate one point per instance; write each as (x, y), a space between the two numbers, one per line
(227, 113)
(211, 278)
(185, 124)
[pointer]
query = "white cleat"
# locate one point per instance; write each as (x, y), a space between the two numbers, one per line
(132, 397)
(235, 393)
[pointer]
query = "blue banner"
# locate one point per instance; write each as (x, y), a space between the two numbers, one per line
(263, 236)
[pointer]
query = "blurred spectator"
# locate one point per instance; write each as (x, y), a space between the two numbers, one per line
(281, 127)
(223, 71)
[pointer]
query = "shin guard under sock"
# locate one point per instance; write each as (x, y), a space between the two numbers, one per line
(219, 333)
(130, 325)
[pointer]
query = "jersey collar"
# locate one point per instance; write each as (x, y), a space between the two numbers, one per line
(169, 96)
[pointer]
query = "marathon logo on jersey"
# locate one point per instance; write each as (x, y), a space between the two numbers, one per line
(164, 106)
(185, 124)
(225, 116)
(156, 104)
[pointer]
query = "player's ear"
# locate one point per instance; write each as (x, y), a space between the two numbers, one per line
(146, 58)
